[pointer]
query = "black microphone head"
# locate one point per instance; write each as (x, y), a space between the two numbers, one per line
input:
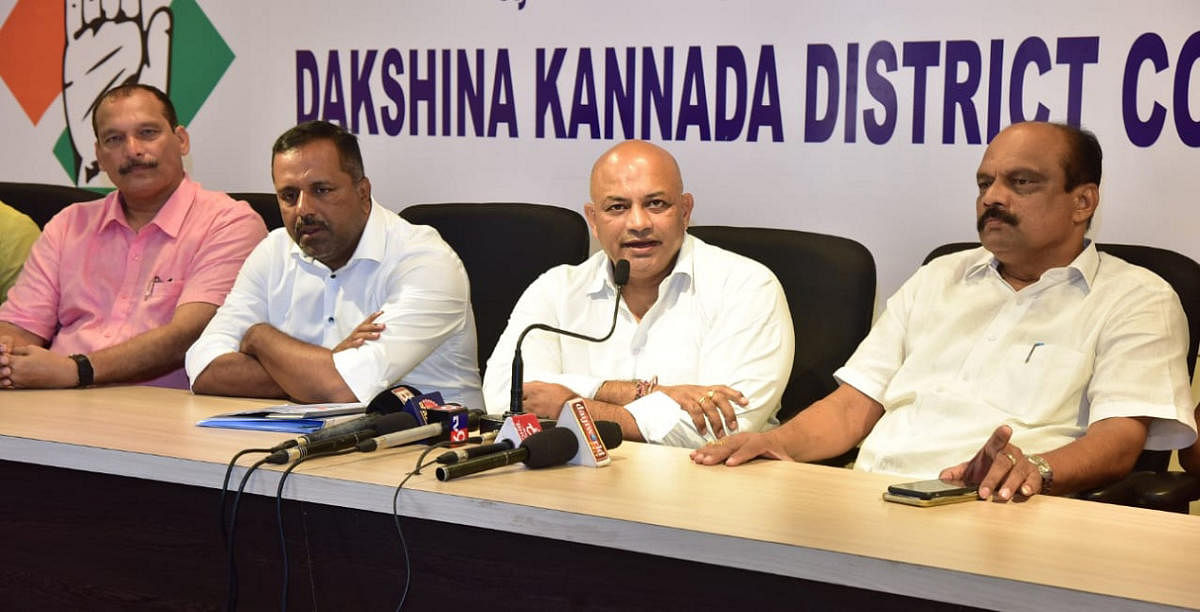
(473, 416)
(393, 422)
(550, 447)
(610, 433)
(621, 272)
(391, 400)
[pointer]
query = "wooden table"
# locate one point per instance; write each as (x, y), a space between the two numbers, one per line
(783, 521)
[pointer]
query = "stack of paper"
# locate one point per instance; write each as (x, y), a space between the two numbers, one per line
(290, 418)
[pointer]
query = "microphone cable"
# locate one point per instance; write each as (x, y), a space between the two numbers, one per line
(225, 488)
(232, 585)
(420, 465)
(516, 390)
(283, 597)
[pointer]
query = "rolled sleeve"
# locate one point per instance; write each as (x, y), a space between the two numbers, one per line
(1141, 369)
(657, 416)
(428, 303)
(243, 307)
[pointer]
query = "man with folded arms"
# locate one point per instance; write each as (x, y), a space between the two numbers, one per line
(346, 299)
(116, 290)
(1062, 361)
(703, 343)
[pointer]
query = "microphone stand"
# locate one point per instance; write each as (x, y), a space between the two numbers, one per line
(620, 279)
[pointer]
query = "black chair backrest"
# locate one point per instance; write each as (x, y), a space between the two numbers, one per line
(265, 204)
(504, 248)
(41, 202)
(830, 286)
(1180, 271)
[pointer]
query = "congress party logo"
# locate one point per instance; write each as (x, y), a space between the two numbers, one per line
(78, 49)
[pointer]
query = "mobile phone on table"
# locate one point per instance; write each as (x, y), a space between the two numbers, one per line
(931, 492)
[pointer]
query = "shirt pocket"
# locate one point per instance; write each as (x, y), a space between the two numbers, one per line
(164, 291)
(1041, 383)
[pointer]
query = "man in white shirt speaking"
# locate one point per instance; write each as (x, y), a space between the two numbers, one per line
(703, 342)
(1063, 362)
(345, 300)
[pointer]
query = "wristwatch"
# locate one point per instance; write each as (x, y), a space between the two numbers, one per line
(1043, 468)
(86, 374)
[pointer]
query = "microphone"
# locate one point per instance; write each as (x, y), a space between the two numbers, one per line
(620, 278)
(392, 400)
(416, 434)
(384, 424)
(543, 449)
(610, 433)
(386, 402)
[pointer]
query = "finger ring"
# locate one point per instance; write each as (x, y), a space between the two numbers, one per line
(718, 442)
(711, 393)
(701, 400)
(1011, 459)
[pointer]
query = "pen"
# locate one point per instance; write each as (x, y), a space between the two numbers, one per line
(1031, 349)
(150, 286)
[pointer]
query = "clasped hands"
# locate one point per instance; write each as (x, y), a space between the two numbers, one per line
(32, 367)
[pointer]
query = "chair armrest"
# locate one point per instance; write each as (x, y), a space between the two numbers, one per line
(1124, 491)
(1171, 491)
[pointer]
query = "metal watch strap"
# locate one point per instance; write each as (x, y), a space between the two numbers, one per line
(1043, 468)
(86, 374)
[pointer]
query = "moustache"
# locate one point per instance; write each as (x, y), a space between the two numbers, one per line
(309, 223)
(995, 213)
(133, 165)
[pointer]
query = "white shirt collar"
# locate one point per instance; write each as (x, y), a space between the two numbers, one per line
(1081, 269)
(372, 244)
(601, 283)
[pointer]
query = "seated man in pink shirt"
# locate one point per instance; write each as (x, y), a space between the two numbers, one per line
(116, 290)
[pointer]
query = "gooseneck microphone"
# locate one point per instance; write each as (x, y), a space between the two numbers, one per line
(545, 448)
(620, 278)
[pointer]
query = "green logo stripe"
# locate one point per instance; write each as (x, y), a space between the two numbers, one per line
(199, 57)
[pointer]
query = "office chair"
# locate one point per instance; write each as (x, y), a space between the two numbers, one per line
(504, 248)
(829, 282)
(41, 202)
(265, 204)
(1149, 485)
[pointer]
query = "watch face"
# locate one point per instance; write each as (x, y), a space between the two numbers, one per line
(1043, 468)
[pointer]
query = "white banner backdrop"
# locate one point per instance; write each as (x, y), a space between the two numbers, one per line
(862, 119)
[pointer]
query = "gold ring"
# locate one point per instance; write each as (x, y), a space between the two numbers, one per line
(711, 393)
(701, 400)
(1011, 459)
(718, 442)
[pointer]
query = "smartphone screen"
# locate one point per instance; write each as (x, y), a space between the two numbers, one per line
(932, 489)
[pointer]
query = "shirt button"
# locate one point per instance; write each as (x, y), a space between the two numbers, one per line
(331, 319)
(333, 276)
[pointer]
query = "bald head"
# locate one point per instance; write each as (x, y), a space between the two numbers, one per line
(638, 210)
(636, 157)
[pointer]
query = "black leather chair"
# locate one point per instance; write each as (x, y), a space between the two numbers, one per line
(1149, 485)
(504, 247)
(40, 201)
(265, 204)
(829, 282)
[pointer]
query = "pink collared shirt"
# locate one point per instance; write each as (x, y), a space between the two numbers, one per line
(92, 282)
